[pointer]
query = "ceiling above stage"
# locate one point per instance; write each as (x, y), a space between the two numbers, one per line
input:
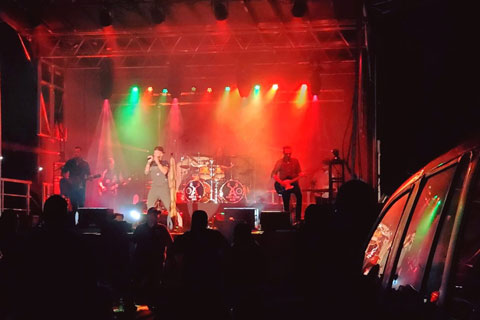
(256, 31)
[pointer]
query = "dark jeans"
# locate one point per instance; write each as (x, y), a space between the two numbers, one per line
(77, 198)
(298, 196)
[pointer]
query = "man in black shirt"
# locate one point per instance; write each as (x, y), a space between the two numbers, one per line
(286, 174)
(78, 173)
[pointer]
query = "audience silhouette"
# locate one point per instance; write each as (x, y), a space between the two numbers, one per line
(53, 271)
(198, 260)
(151, 242)
(245, 274)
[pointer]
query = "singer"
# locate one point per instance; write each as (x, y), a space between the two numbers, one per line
(158, 170)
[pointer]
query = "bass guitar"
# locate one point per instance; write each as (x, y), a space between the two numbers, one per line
(286, 184)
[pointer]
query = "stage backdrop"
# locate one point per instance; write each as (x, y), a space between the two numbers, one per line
(251, 130)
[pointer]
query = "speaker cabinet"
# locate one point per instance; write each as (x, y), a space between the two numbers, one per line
(93, 217)
(233, 216)
(275, 220)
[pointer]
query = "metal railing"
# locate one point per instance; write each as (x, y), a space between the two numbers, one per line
(25, 195)
(47, 191)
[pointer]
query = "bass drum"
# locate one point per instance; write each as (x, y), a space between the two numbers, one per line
(232, 191)
(196, 191)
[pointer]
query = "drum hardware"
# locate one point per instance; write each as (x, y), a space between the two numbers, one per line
(205, 181)
(211, 182)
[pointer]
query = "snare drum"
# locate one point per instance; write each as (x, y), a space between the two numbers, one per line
(197, 191)
(232, 191)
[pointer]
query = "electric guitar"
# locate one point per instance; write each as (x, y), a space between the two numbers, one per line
(76, 182)
(286, 184)
(112, 188)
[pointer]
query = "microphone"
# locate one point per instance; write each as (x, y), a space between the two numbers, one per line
(150, 158)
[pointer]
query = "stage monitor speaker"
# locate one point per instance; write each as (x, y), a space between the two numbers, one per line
(275, 220)
(244, 215)
(234, 216)
(93, 217)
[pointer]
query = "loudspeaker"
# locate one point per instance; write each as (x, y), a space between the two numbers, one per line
(244, 215)
(93, 217)
(275, 220)
(234, 216)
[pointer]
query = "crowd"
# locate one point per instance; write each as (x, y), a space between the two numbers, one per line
(51, 270)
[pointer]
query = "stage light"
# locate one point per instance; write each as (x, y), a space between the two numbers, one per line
(150, 89)
(105, 17)
(227, 89)
(315, 97)
(304, 86)
(219, 10)
(194, 89)
(299, 8)
(209, 90)
(40, 169)
(134, 96)
(135, 215)
(1, 158)
(165, 91)
(257, 87)
(275, 87)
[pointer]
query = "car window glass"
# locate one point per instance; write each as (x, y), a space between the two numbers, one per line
(380, 244)
(466, 270)
(421, 230)
(441, 249)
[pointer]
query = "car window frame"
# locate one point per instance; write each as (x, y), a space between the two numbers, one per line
(419, 186)
(406, 192)
(438, 231)
(461, 218)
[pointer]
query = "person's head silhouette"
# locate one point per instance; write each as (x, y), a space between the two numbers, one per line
(55, 211)
(199, 220)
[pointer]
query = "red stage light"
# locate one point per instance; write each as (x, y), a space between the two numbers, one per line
(209, 90)
(149, 89)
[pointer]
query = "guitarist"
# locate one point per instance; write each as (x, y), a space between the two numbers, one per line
(109, 183)
(286, 174)
(78, 172)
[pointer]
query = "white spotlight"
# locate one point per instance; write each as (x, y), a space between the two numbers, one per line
(135, 215)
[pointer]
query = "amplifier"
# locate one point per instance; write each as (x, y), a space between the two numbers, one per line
(93, 217)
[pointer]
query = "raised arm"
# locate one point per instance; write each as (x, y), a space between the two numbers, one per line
(148, 165)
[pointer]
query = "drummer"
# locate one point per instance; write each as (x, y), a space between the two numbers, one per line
(223, 163)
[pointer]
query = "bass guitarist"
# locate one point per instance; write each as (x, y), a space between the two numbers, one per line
(108, 185)
(286, 174)
(78, 172)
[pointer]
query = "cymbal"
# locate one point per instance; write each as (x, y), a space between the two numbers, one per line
(200, 158)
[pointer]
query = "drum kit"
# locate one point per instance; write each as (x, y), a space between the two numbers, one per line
(203, 179)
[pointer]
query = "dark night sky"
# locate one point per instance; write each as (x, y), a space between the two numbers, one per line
(427, 83)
